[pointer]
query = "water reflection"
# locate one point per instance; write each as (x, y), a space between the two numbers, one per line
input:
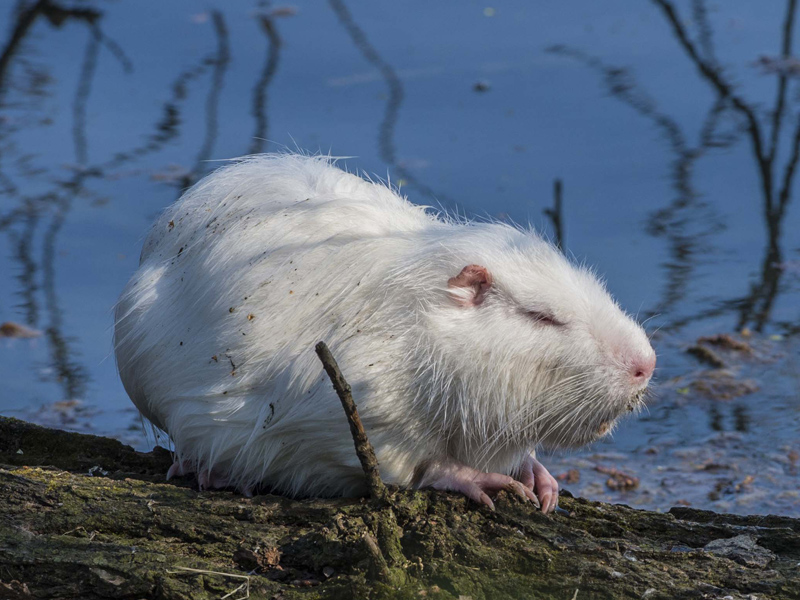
(259, 110)
(168, 127)
(33, 225)
(689, 222)
(208, 106)
(386, 129)
(51, 207)
(220, 61)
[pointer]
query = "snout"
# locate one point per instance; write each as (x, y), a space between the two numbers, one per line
(641, 368)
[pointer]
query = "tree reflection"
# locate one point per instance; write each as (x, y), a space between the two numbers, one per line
(688, 222)
(776, 181)
(38, 200)
(53, 204)
(259, 110)
(34, 221)
(220, 63)
(386, 129)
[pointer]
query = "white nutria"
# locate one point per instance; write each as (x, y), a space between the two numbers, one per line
(467, 345)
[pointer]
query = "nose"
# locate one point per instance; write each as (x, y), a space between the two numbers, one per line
(642, 367)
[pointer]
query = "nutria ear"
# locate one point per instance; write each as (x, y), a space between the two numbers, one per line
(469, 287)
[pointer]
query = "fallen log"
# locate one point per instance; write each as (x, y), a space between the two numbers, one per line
(87, 517)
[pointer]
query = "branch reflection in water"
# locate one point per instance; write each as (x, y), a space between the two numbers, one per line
(386, 129)
(689, 223)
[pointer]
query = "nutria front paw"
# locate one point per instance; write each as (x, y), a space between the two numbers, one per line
(474, 484)
(537, 478)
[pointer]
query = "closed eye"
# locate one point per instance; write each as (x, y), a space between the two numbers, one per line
(544, 318)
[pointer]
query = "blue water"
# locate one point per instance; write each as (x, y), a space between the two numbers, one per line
(476, 107)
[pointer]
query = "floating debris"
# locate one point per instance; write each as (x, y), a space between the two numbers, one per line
(571, 476)
(618, 480)
(724, 340)
(706, 355)
(9, 329)
(778, 65)
(722, 385)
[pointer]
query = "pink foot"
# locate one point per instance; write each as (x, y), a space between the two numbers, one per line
(474, 484)
(211, 480)
(180, 468)
(535, 477)
(206, 479)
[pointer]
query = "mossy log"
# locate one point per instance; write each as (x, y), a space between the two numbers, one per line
(87, 517)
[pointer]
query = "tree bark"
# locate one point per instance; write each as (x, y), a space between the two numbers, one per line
(123, 532)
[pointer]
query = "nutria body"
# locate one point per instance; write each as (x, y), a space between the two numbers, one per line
(467, 345)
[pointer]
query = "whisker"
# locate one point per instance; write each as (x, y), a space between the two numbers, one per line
(512, 429)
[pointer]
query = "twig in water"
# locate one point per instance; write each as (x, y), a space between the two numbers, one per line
(555, 214)
(366, 454)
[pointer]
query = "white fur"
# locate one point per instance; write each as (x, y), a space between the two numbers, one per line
(240, 278)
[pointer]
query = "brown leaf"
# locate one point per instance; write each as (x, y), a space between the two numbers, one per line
(10, 329)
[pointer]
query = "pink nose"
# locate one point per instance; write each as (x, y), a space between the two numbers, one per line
(642, 367)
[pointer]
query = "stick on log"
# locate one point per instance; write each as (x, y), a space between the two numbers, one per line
(366, 454)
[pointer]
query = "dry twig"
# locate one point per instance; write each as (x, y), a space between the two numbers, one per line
(366, 454)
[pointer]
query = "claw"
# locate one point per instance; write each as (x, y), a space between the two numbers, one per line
(537, 479)
(206, 479)
(529, 495)
(523, 492)
(179, 468)
(474, 484)
(202, 480)
(209, 480)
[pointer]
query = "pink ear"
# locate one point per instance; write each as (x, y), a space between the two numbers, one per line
(469, 287)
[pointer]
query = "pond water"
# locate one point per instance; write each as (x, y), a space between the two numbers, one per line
(659, 118)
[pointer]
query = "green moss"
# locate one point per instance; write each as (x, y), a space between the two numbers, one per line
(66, 534)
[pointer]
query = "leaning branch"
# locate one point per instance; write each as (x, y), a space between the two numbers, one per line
(366, 454)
